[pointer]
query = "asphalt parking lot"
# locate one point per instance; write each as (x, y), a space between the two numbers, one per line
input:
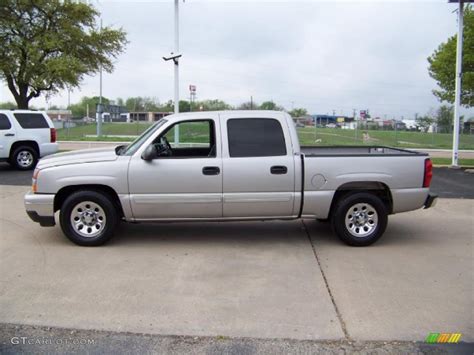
(283, 282)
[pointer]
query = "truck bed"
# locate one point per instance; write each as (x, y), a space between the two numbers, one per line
(345, 151)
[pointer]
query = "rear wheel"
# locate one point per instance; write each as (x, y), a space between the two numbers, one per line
(88, 218)
(24, 158)
(360, 219)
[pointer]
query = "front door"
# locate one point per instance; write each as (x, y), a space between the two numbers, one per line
(185, 181)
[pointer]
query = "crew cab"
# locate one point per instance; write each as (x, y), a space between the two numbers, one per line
(25, 136)
(227, 166)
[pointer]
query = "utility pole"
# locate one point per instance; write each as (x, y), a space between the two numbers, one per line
(355, 122)
(457, 96)
(251, 102)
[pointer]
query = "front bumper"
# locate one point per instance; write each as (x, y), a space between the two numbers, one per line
(431, 200)
(40, 208)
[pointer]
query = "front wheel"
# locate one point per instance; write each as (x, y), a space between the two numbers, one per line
(360, 219)
(88, 218)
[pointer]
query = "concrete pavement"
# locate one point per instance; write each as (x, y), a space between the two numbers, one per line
(246, 280)
(417, 279)
(260, 279)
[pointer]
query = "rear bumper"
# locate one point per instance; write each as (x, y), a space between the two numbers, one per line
(431, 200)
(48, 148)
(40, 208)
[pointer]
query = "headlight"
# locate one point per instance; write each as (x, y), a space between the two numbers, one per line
(34, 180)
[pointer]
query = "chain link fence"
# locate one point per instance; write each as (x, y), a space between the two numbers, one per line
(78, 130)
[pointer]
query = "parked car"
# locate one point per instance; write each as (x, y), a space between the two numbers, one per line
(227, 166)
(26, 136)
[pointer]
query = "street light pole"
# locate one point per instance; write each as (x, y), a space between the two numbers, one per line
(99, 117)
(457, 95)
(176, 68)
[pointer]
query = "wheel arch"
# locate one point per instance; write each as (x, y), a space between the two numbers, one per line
(377, 188)
(64, 192)
(28, 143)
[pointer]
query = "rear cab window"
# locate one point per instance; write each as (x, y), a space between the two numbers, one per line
(255, 137)
(31, 120)
(4, 122)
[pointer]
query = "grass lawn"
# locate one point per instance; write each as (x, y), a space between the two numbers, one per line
(447, 161)
(114, 129)
(337, 136)
(307, 135)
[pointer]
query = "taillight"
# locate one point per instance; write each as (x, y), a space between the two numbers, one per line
(428, 173)
(53, 134)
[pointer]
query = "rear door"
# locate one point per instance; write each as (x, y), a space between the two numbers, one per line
(7, 135)
(259, 172)
(35, 126)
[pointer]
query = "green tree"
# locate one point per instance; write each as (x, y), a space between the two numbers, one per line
(249, 105)
(444, 118)
(167, 107)
(270, 105)
(424, 122)
(184, 106)
(80, 109)
(442, 66)
(211, 105)
(48, 45)
(7, 105)
(298, 112)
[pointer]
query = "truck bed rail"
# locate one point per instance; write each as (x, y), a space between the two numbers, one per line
(334, 151)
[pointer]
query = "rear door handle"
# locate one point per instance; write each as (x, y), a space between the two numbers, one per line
(278, 170)
(9, 134)
(211, 170)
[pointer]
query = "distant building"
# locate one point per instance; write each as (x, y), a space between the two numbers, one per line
(59, 115)
(411, 125)
(113, 113)
(324, 120)
(147, 116)
(469, 126)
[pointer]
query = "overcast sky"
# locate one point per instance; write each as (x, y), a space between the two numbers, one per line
(321, 55)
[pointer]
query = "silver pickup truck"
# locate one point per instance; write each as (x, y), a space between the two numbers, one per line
(227, 166)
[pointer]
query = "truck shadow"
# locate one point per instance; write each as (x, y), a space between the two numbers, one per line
(205, 233)
(396, 233)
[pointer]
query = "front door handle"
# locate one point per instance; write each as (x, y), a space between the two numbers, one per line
(9, 134)
(278, 170)
(211, 170)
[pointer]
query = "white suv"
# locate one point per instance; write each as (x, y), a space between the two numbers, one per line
(25, 136)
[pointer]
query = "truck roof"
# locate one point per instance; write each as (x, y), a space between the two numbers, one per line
(242, 113)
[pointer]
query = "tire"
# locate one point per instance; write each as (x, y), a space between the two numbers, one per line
(24, 158)
(360, 219)
(95, 212)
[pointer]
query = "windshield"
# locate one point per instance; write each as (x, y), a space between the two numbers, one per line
(133, 147)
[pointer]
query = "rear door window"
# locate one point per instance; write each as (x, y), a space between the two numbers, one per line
(31, 120)
(255, 137)
(4, 122)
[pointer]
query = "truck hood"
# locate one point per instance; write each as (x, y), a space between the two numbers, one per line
(78, 157)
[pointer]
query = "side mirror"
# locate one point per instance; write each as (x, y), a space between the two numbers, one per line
(150, 153)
